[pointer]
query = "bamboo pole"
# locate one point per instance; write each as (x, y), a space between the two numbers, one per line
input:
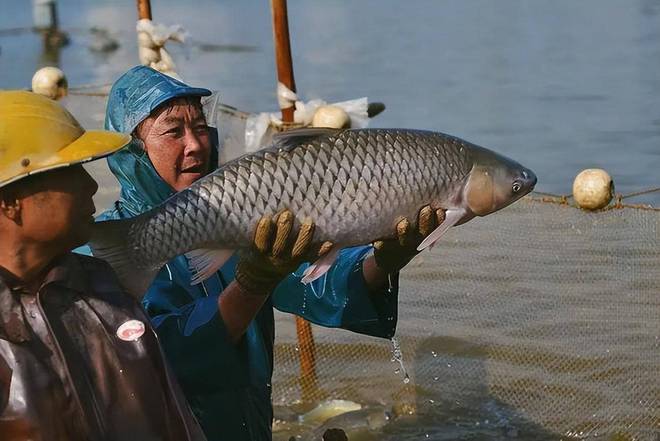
(284, 63)
(144, 9)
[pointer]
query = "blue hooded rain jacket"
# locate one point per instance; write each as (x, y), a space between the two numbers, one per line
(227, 385)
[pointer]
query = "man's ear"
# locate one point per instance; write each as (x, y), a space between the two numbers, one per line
(10, 208)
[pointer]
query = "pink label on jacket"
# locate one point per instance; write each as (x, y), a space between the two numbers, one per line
(130, 330)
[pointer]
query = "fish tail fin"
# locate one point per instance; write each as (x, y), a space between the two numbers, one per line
(110, 242)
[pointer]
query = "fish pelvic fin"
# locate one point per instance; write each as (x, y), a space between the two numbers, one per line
(204, 262)
(109, 242)
(321, 266)
(452, 217)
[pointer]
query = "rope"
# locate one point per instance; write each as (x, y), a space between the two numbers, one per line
(90, 90)
(90, 86)
(640, 193)
(618, 200)
(151, 45)
(15, 31)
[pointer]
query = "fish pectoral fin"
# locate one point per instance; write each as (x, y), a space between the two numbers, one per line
(204, 262)
(452, 217)
(321, 266)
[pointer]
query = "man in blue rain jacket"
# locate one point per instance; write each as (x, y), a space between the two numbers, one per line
(219, 335)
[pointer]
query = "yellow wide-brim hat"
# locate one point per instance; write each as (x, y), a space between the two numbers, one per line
(38, 134)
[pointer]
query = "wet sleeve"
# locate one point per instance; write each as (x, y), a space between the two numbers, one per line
(341, 297)
(191, 330)
(5, 382)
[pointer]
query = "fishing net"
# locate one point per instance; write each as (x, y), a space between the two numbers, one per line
(541, 321)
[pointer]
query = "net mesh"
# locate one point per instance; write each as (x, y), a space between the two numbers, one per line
(548, 311)
(543, 317)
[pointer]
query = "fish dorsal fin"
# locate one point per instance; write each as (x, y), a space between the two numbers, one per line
(292, 138)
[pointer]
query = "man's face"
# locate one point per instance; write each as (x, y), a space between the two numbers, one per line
(57, 207)
(176, 138)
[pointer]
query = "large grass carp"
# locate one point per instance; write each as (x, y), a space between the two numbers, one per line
(355, 185)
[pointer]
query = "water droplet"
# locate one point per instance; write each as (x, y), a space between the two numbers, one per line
(398, 357)
(436, 378)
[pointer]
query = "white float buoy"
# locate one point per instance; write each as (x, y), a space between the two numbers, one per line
(593, 189)
(51, 82)
(331, 116)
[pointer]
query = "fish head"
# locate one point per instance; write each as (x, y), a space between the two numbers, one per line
(495, 182)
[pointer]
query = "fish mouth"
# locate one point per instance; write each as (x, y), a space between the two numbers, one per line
(530, 179)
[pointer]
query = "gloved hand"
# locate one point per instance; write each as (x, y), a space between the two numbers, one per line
(393, 254)
(278, 251)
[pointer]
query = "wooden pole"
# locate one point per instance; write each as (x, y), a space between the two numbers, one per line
(284, 63)
(283, 59)
(144, 9)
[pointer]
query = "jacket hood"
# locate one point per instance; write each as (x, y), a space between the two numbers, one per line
(132, 99)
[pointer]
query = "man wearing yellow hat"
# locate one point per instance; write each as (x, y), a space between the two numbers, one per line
(78, 358)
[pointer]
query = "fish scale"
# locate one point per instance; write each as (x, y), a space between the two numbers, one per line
(355, 185)
(377, 174)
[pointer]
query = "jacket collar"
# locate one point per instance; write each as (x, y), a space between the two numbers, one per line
(65, 271)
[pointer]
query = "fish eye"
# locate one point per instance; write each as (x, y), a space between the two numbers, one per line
(516, 187)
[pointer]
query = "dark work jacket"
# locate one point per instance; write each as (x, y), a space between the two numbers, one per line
(68, 372)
